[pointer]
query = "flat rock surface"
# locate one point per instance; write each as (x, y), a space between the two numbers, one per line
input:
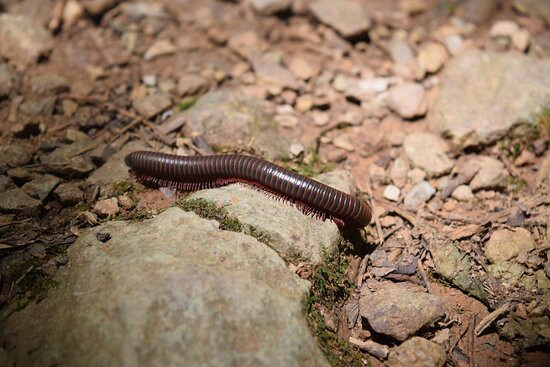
(228, 118)
(479, 100)
(173, 290)
(294, 235)
(388, 310)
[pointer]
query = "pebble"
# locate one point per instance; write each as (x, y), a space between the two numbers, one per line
(149, 80)
(463, 193)
(22, 40)
(347, 17)
(491, 175)
(454, 44)
(72, 13)
(505, 244)
(296, 149)
(419, 194)
(49, 83)
(320, 118)
(41, 186)
(416, 175)
(417, 352)
(398, 172)
(392, 192)
(408, 100)
(269, 7)
(39, 106)
(287, 120)
(428, 152)
(377, 173)
(342, 141)
(73, 134)
(270, 71)
(161, 47)
(192, 84)
(68, 160)
(301, 68)
(152, 105)
(432, 56)
(107, 207)
(503, 28)
(7, 78)
(69, 193)
(304, 103)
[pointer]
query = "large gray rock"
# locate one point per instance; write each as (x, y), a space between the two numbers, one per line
(228, 118)
(287, 230)
(22, 40)
(484, 94)
(170, 291)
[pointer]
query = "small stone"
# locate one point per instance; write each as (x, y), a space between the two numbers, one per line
(432, 56)
(38, 107)
(72, 13)
(503, 28)
(287, 121)
(304, 103)
(69, 193)
(505, 244)
(23, 40)
(408, 100)
(392, 193)
(463, 193)
(428, 152)
(16, 200)
(152, 105)
(454, 43)
(149, 80)
(347, 17)
(301, 68)
(342, 141)
(69, 107)
(103, 236)
(73, 134)
(49, 83)
(192, 84)
(6, 80)
(41, 186)
(245, 44)
(417, 352)
(491, 175)
(520, 40)
(413, 7)
(377, 173)
(320, 118)
(5, 183)
(125, 202)
(68, 159)
(419, 194)
(449, 205)
(398, 172)
(269, 7)
(159, 48)
(107, 207)
(388, 310)
(296, 149)
(274, 74)
(365, 89)
(12, 155)
(416, 175)
(340, 83)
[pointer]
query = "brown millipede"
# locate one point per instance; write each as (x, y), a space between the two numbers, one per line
(196, 173)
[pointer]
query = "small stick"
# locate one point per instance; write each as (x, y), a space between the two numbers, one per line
(422, 273)
(375, 215)
(378, 350)
(471, 341)
(490, 318)
(362, 269)
(57, 14)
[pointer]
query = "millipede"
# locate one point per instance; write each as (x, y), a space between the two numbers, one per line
(192, 173)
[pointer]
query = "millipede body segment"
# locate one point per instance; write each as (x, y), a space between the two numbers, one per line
(202, 172)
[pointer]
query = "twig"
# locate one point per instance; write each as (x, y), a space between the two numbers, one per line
(471, 341)
(392, 231)
(422, 273)
(378, 350)
(375, 214)
(57, 14)
(462, 178)
(490, 318)
(362, 269)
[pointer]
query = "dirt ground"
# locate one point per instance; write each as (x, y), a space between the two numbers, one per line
(97, 75)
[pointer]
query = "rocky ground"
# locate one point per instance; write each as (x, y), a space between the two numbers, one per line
(436, 111)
